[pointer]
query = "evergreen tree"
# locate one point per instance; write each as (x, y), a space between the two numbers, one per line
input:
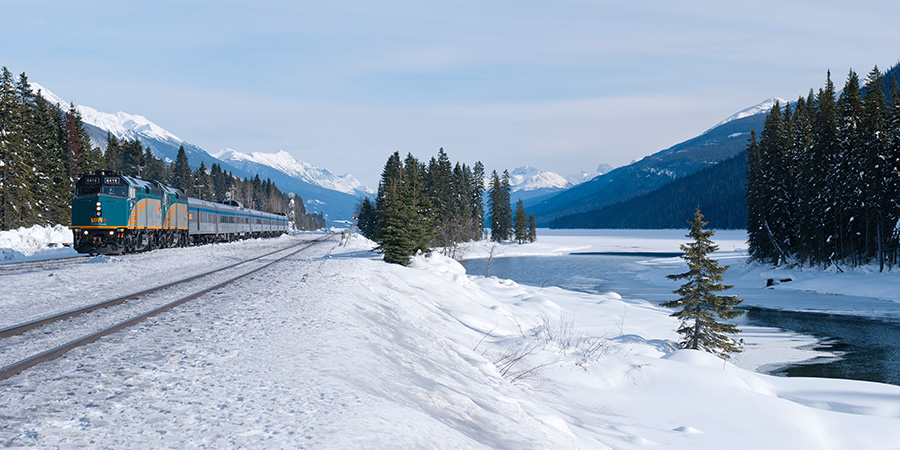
(495, 206)
(417, 207)
(777, 193)
(15, 164)
(825, 153)
(393, 214)
(848, 165)
(83, 157)
(876, 178)
(700, 304)
(366, 220)
(34, 151)
(532, 228)
(202, 185)
(181, 172)
(476, 200)
(154, 168)
(520, 222)
(112, 159)
(59, 188)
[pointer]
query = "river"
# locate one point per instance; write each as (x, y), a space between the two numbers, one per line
(869, 348)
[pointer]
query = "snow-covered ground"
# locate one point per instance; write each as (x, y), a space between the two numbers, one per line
(336, 349)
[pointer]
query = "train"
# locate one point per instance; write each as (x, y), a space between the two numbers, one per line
(114, 214)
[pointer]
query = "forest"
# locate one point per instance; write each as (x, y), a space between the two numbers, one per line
(44, 150)
(823, 178)
(438, 204)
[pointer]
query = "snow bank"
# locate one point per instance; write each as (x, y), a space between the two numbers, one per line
(336, 349)
(36, 242)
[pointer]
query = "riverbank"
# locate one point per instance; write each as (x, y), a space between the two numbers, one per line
(861, 292)
(337, 349)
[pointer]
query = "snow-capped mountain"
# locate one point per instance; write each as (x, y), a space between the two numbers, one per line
(583, 176)
(762, 107)
(121, 124)
(334, 196)
(527, 178)
(284, 162)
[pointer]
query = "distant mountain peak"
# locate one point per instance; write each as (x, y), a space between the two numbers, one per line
(287, 164)
(121, 124)
(762, 107)
(528, 178)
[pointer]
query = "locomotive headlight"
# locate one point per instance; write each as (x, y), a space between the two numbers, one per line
(85, 232)
(111, 232)
(98, 204)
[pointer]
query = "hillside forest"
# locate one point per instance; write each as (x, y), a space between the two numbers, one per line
(45, 149)
(823, 179)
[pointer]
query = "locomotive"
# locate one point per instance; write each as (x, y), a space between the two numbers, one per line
(114, 213)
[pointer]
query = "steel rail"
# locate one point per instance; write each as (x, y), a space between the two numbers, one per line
(42, 263)
(37, 323)
(13, 369)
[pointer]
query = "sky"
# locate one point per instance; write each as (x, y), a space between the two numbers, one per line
(563, 85)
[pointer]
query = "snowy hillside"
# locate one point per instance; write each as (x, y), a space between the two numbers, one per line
(762, 107)
(285, 163)
(122, 125)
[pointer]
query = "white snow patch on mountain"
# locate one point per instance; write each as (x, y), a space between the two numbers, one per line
(121, 124)
(762, 107)
(527, 178)
(583, 176)
(287, 164)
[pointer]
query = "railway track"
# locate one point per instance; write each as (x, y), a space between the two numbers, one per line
(43, 264)
(30, 343)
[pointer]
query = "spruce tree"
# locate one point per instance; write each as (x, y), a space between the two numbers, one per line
(876, 176)
(532, 228)
(701, 306)
(365, 218)
(476, 200)
(202, 184)
(181, 171)
(849, 164)
(520, 222)
(495, 208)
(15, 163)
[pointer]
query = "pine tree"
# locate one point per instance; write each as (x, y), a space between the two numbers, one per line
(826, 154)
(181, 172)
(520, 222)
(700, 304)
(476, 200)
(532, 228)
(848, 165)
(776, 185)
(416, 207)
(15, 164)
(876, 176)
(202, 184)
(366, 219)
(393, 214)
(495, 208)
(154, 168)
(500, 208)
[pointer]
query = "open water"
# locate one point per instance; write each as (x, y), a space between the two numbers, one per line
(869, 348)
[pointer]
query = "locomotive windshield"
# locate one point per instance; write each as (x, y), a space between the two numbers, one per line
(101, 185)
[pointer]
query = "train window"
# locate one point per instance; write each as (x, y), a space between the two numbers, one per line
(87, 190)
(118, 191)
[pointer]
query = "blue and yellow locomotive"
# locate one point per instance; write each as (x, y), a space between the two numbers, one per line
(114, 213)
